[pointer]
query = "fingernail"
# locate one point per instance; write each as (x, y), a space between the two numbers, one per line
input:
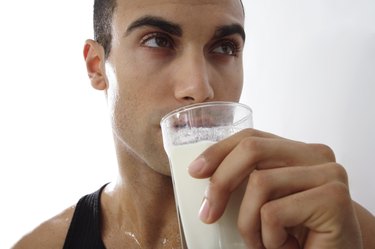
(204, 211)
(197, 165)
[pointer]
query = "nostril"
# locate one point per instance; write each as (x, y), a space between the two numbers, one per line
(188, 98)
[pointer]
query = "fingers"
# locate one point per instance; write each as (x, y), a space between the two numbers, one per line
(296, 193)
(229, 162)
(325, 214)
(214, 155)
(280, 198)
(250, 148)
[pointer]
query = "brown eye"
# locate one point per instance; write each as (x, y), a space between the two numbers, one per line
(226, 48)
(156, 40)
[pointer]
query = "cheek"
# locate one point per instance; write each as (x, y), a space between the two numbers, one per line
(120, 101)
(238, 82)
(228, 83)
(131, 107)
(126, 108)
(134, 93)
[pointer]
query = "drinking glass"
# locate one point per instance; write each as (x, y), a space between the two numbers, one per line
(187, 132)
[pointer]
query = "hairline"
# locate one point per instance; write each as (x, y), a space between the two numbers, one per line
(107, 49)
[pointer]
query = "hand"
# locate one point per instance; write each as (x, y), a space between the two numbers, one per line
(297, 196)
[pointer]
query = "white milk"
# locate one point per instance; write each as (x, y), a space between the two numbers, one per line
(189, 195)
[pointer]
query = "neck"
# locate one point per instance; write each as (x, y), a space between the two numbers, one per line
(139, 207)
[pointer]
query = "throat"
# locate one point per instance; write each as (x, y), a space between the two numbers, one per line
(132, 240)
(144, 218)
(158, 235)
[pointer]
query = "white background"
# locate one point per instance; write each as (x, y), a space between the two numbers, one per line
(309, 73)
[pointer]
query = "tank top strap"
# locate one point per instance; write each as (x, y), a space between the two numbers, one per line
(84, 230)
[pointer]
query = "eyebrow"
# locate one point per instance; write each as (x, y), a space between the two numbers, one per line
(175, 29)
(156, 22)
(231, 29)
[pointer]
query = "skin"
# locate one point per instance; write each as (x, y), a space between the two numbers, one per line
(296, 189)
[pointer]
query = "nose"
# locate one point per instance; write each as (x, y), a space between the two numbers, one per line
(192, 82)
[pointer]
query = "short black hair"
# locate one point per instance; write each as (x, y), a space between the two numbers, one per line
(103, 15)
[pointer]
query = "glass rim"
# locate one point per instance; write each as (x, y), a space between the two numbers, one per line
(204, 104)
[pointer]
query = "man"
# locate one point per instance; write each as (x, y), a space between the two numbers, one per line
(153, 56)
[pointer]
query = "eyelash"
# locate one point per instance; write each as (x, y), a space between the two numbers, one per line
(232, 43)
(156, 35)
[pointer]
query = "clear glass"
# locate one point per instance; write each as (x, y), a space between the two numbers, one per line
(187, 132)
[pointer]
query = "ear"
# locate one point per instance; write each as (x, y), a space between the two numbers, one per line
(94, 56)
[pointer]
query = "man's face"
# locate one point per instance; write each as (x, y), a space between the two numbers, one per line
(166, 54)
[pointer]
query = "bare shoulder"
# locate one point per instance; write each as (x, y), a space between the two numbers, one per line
(50, 234)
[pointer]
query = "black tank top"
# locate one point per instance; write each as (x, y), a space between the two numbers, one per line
(84, 230)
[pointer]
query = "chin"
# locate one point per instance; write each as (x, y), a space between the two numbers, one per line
(161, 166)
(165, 171)
(162, 171)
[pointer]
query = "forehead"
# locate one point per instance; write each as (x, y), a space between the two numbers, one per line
(185, 12)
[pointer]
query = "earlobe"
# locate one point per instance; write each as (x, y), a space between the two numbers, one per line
(94, 57)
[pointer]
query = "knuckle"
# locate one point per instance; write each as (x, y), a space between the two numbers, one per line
(250, 132)
(259, 180)
(325, 151)
(250, 144)
(338, 172)
(268, 214)
(338, 193)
